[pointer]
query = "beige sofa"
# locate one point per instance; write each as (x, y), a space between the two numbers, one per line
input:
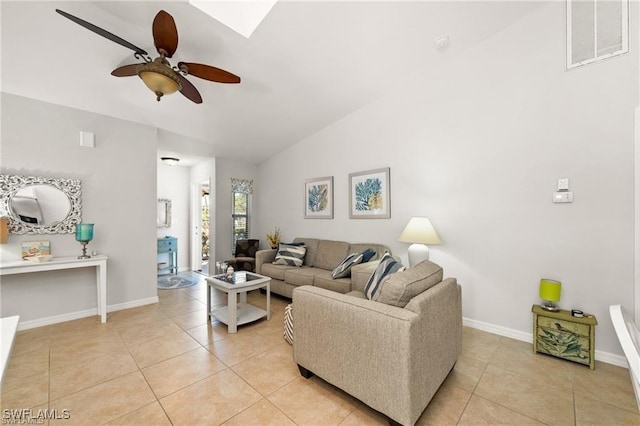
(320, 260)
(392, 358)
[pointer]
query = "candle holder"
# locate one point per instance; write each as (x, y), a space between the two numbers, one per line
(84, 234)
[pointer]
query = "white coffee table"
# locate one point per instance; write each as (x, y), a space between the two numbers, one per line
(235, 314)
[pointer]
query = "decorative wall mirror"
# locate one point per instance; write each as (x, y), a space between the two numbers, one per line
(40, 205)
(164, 213)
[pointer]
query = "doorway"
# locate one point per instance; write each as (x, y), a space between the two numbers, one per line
(201, 243)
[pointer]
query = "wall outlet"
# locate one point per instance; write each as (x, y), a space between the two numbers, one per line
(563, 197)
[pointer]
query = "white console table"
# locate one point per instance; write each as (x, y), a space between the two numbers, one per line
(8, 329)
(57, 263)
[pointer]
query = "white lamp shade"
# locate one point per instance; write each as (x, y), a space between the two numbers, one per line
(419, 230)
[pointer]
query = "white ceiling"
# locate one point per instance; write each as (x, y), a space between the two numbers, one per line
(307, 65)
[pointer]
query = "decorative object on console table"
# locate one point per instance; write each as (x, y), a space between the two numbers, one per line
(564, 336)
(318, 198)
(168, 246)
(370, 195)
(35, 248)
(84, 234)
(419, 231)
(550, 291)
(4, 230)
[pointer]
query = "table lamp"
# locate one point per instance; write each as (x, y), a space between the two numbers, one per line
(419, 232)
(84, 234)
(550, 292)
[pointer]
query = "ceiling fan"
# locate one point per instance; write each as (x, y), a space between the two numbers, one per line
(157, 74)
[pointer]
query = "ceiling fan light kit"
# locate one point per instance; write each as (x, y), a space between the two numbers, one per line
(159, 78)
(157, 74)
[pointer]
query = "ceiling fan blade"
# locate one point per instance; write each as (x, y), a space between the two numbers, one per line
(189, 90)
(126, 71)
(165, 33)
(103, 33)
(210, 73)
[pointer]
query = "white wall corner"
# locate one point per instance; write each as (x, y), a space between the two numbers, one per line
(637, 213)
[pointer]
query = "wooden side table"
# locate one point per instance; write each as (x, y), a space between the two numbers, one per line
(564, 336)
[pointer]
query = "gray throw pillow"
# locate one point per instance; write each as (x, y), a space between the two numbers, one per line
(398, 289)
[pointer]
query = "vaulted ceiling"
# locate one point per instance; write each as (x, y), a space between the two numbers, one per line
(307, 65)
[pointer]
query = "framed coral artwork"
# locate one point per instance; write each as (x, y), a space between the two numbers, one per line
(318, 198)
(370, 194)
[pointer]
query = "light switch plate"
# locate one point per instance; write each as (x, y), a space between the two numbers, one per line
(563, 197)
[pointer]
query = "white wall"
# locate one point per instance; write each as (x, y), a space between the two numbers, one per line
(174, 183)
(118, 195)
(477, 146)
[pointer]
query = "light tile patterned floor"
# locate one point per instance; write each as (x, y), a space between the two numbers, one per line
(165, 364)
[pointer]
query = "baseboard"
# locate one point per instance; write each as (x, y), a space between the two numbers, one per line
(132, 304)
(601, 356)
(499, 330)
(610, 358)
(41, 322)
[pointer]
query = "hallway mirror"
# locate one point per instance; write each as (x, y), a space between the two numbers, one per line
(164, 213)
(40, 205)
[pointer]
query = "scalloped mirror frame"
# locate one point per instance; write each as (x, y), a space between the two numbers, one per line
(164, 213)
(72, 188)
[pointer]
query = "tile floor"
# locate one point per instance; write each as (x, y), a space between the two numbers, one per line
(164, 364)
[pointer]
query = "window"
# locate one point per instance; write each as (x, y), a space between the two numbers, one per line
(240, 217)
(596, 30)
(240, 210)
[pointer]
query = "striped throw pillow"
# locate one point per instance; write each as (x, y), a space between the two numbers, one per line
(344, 268)
(288, 323)
(388, 265)
(290, 254)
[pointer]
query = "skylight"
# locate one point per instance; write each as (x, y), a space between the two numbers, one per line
(241, 16)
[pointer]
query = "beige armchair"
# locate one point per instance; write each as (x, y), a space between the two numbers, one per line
(393, 359)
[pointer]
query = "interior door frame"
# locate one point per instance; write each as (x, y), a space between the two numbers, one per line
(196, 224)
(194, 229)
